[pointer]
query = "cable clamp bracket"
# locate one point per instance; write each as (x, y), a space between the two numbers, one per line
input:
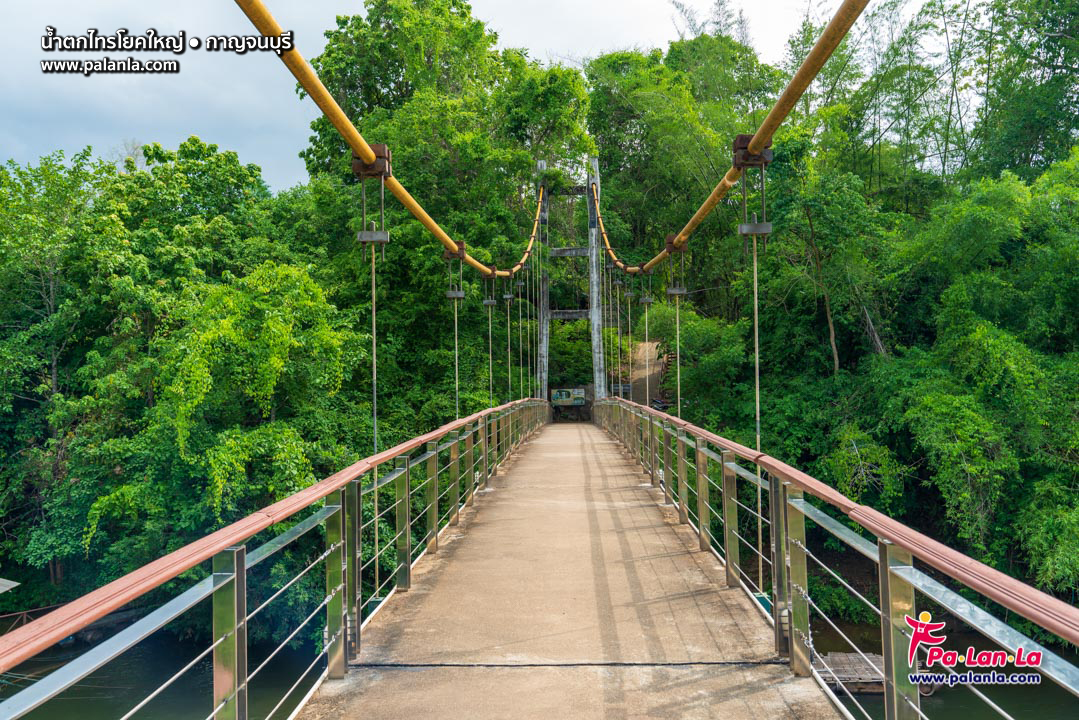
(745, 159)
(671, 248)
(380, 168)
(449, 255)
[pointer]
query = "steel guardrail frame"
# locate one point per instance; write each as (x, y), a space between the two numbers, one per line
(895, 549)
(226, 585)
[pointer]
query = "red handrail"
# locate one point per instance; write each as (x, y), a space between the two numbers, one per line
(34, 637)
(1051, 613)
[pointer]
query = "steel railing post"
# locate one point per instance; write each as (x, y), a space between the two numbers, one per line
(377, 531)
(683, 481)
(493, 449)
(432, 497)
(455, 477)
(485, 438)
(641, 419)
(667, 497)
(403, 508)
(230, 630)
(730, 518)
(652, 451)
(777, 534)
(704, 496)
(352, 568)
(501, 445)
(470, 466)
(901, 701)
(336, 664)
(800, 639)
(635, 435)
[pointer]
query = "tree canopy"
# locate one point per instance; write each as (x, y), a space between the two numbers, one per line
(180, 346)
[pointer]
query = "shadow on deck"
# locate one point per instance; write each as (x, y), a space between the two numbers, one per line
(569, 591)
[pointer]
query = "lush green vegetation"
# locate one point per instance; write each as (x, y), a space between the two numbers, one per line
(180, 346)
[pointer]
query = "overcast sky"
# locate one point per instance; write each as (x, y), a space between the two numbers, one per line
(247, 102)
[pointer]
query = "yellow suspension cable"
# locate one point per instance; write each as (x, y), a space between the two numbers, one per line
(829, 40)
(265, 23)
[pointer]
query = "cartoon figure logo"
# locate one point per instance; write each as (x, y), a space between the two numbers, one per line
(922, 633)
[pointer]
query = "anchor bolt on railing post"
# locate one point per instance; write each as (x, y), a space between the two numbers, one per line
(801, 655)
(403, 525)
(730, 518)
(704, 499)
(683, 484)
(229, 622)
(336, 664)
(432, 497)
(901, 700)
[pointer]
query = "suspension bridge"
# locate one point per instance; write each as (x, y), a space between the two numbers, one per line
(506, 566)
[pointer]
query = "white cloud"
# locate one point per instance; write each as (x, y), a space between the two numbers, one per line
(247, 103)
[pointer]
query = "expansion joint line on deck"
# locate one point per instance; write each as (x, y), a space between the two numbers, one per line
(687, 663)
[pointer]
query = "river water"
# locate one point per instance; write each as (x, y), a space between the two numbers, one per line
(116, 688)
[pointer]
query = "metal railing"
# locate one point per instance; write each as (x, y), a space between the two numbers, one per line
(699, 474)
(378, 517)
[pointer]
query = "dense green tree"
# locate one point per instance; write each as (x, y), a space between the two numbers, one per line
(180, 346)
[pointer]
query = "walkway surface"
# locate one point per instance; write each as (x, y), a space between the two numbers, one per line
(569, 592)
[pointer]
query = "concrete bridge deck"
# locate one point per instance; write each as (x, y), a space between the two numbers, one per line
(569, 592)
